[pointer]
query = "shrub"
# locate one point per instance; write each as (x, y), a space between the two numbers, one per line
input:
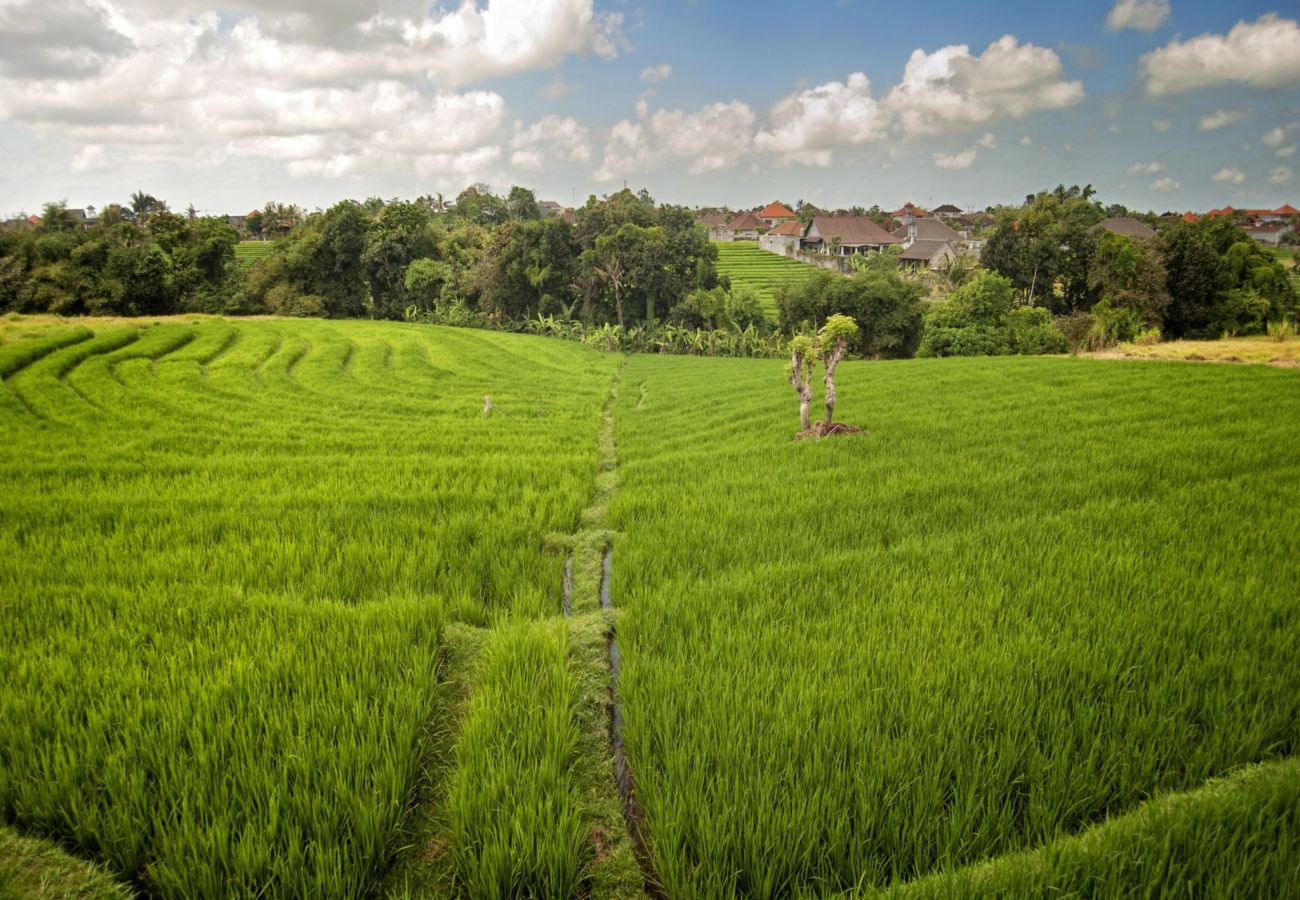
(1075, 327)
(1030, 331)
(1113, 325)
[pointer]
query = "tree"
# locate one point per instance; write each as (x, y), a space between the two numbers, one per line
(834, 339)
(886, 308)
(521, 204)
(610, 268)
(800, 373)
(424, 282)
(1130, 274)
(254, 223)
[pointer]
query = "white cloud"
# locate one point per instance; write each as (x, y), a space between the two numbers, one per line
(963, 160)
(1280, 175)
(1284, 152)
(1162, 124)
(1221, 118)
(92, 158)
(988, 141)
(951, 90)
(1264, 53)
(1277, 137)
(557, 87)
(1165, 184)
(1151, 168)
(550, 138)
(807, 126)
(1113, 129)
(1026, 141)
(326, 89)
(660, 72)
(1230, 175)
(714, 137)
(1142, 15)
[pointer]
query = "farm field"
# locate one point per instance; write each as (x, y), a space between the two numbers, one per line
(746, 264)
(282, 615)
(232, 556)
(1014, 610)
(249, 252)
(1287, 255)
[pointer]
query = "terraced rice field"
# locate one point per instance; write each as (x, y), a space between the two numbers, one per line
(1287, 255)
(745, 263)
(281, 615)
(249, 252)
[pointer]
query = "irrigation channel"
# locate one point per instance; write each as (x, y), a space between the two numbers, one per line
(587, 571)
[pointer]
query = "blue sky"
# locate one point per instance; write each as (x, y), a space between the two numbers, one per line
(1160, 104)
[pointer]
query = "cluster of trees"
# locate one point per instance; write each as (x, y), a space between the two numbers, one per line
(140, 259)
(1192, 280)
(625, 260)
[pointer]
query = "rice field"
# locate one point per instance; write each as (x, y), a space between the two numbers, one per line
(1036, 595)
(281, 615)
(229, 553)
(747, 265)
(249, 252)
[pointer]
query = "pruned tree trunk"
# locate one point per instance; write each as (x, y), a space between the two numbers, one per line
(801, 371)
(833, 361)
(618, 303)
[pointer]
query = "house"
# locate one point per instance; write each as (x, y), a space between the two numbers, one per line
(931, 243)
(846, 235)
(910, 211)
(1190, 216)
(239, 223)
(775, 213)
(926, 230)
(550, 209)
(1269, 233)
(930, 255)
(713, 219)
(947, 211)
(783, 239)
(1127, 227)
(745, 227)
(569, 216)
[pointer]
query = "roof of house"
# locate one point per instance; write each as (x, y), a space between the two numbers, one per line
(1286, 210)
(1125, 226)
(853, 231)
(925, 250)
(711, 220)
(746, 222)
(910, 209)
(1226, 211)
(776, 210)
(788, 229)
(928, 230)
(949, 209)
(1191, 217)
(1268, 227)
(569, 216)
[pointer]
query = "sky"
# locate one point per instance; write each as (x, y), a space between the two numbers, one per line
(1159, 104)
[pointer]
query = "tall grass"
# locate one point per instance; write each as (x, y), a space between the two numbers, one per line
(227, 553)
(515, 801)
(1036, 593)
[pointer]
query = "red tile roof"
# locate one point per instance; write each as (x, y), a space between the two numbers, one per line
(1191, 217)
(1286, 210)
(776, 210)
(789, 229)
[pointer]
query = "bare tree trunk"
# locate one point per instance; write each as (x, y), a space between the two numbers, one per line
(832, 362)
(618, 303)
(801, 379)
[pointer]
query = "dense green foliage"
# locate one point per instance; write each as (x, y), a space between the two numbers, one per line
(1029, 609)
(981, 319)
(745, 264)
(227, 553)
(886, 308)
(159, 264)
(1193, 279)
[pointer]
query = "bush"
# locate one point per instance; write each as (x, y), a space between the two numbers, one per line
(1113, 325)
(1075, 327)
(887, 309)
(1030, 331)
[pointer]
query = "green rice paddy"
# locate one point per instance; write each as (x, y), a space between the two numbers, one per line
(249, 252)
(280, 615)
(747, 265)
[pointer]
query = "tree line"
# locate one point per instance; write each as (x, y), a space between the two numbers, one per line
(634, 274)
